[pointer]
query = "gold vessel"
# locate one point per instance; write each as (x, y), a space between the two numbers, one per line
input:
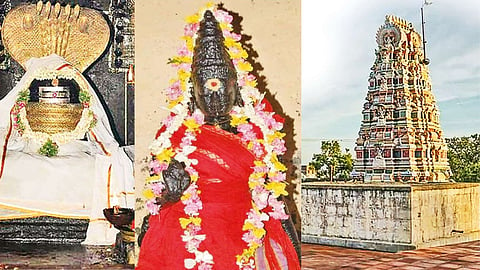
(53, 118)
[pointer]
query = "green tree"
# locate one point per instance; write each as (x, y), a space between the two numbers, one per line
(464, 158)
(331, 163)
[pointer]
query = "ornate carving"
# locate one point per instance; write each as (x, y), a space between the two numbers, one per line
(80, 35)
(388, 36)
(5, 7)
(122, 52)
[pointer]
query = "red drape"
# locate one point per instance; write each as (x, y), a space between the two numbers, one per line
(224, 165)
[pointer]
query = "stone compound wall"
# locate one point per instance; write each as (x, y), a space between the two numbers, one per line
(390, 217)
(446, 213)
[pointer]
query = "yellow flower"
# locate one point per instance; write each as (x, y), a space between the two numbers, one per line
(185, 196)
(275, 135)
(255, 207)
(227, 26)
(278, 188)
(191, 124)
(251, 83)
(188, 42)
(246, 254)
(238, 120)
(254, 245)
(272, 174)
(173, 103)
(234, 54)
(259, 232)
(253, 184)
(257, 175)
(194, 178)
(183, 85)
(185, 221)
(236, 50)
(244, 66)
(152, 178)
(248, 226)
(183, 75)
(148, 193)
(181, 59)
(277, 164)
(165, 155)
(195, 18)
(209, 5)
(229, 42)
(259, 163)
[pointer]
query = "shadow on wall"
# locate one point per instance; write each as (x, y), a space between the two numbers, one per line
(288, 128)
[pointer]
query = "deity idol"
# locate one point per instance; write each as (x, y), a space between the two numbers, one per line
(216, 183)
(60, 158)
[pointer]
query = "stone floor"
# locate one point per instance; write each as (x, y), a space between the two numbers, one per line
(459, 256)
(50, 256)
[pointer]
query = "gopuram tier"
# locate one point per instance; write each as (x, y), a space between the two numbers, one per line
(400, 138)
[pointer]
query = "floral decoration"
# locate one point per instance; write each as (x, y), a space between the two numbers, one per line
(49, 149)
(258, 128)
(50, 141)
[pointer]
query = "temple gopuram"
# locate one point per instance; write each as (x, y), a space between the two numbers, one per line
(400, 138)
(405, 200)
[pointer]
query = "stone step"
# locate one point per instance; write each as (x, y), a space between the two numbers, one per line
(43, 230)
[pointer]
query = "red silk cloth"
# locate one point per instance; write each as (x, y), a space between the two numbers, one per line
(224, 165)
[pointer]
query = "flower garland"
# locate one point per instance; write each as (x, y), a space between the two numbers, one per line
(51, 141)
(267, 182)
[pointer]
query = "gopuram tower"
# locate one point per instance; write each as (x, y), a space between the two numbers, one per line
(400, 138)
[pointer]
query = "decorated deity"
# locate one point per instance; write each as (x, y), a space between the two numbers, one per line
(60, 158)
(216, 181)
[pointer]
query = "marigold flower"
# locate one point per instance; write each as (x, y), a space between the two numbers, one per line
(278, 188)
(191, 124)
(238, 120)
(194, 220)
(277, 164)
(148, 193)
(166, 155)
(195, 18)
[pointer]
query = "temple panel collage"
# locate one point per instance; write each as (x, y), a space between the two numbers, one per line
(239, 134)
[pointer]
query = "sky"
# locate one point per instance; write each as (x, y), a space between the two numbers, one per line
(338, 50)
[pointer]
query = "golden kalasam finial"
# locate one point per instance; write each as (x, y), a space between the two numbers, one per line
(80, 35)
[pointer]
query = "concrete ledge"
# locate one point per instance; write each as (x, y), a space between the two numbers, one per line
(358, 186)
(440, 186)
(460, 238)
(360, 244)
(390, 217)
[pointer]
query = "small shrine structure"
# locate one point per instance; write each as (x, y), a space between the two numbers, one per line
(400, 137)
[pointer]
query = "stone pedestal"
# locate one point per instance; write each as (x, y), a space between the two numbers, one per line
(43, 230)
(390, 217)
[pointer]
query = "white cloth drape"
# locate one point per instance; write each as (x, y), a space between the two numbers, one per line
(85, 177)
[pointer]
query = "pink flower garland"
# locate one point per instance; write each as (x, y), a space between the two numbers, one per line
(267, 182)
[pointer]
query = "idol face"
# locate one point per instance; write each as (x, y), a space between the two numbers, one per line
(214, 78)
(215, 93)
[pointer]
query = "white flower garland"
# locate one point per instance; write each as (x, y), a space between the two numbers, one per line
(19, 113)
(267, 182)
